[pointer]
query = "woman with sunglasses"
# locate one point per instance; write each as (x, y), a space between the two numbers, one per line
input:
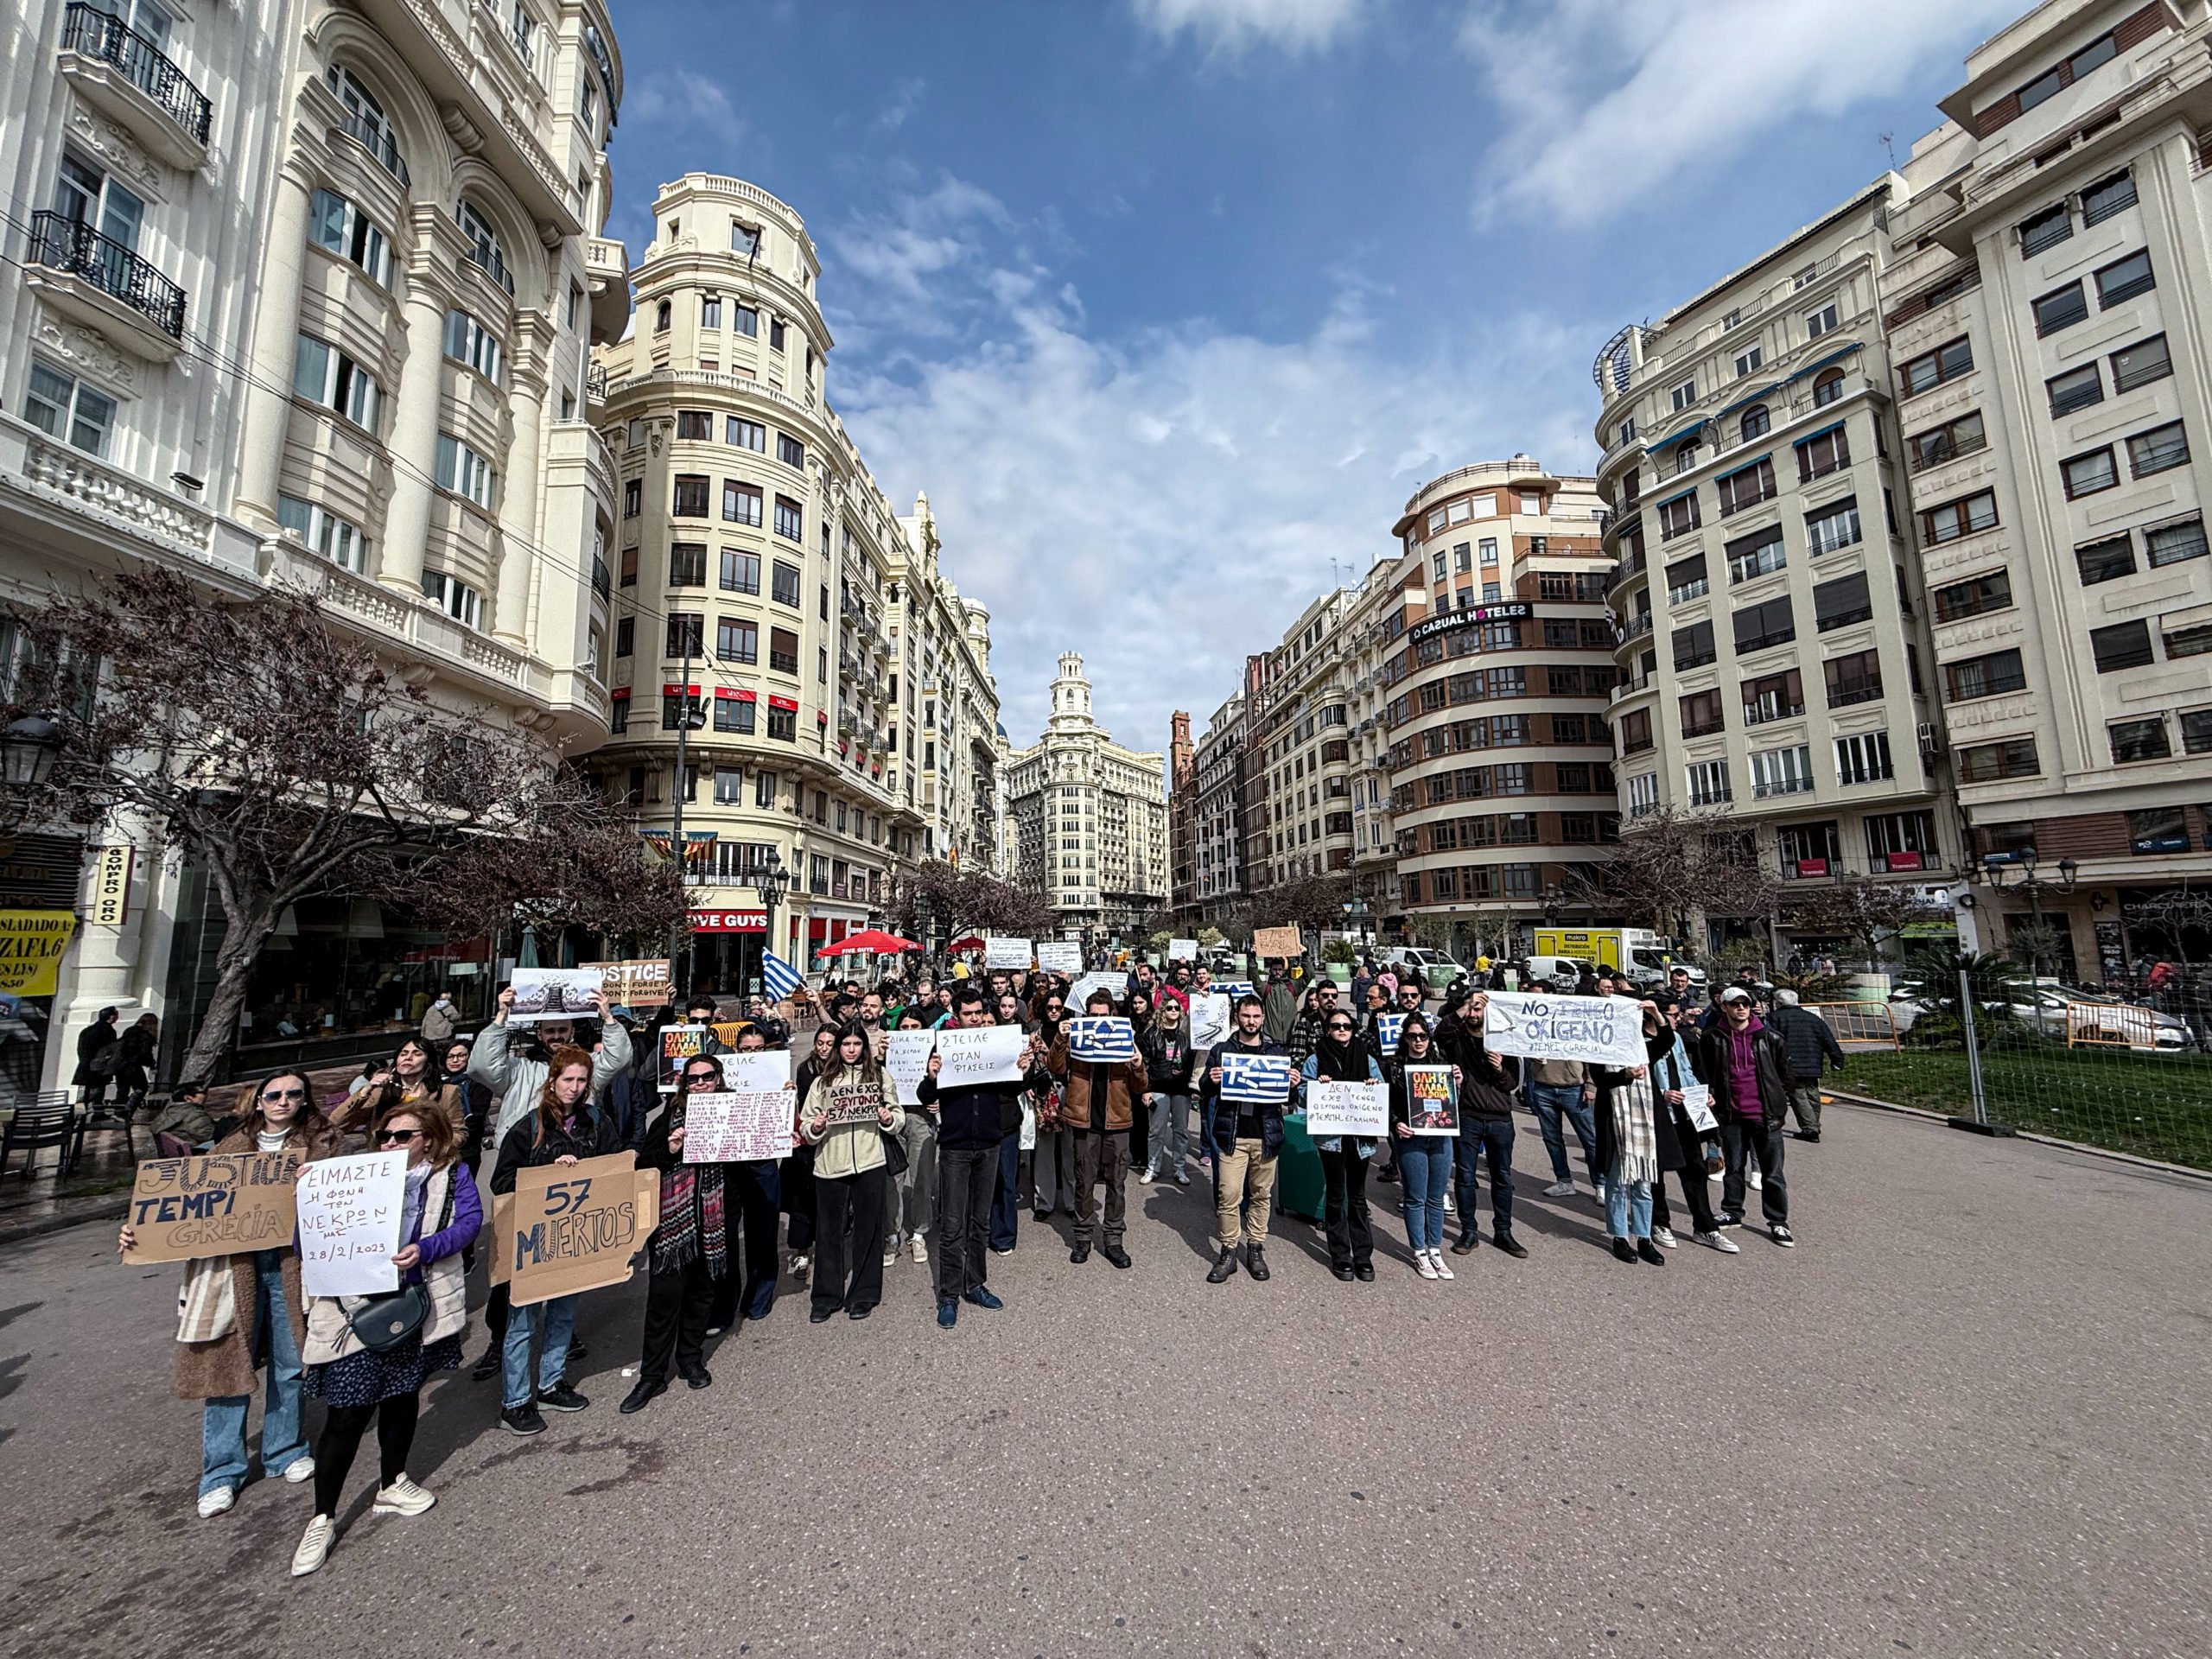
(412, 1078)
(239, 1313)
(1340, 1056)
(1424, 1162)
(1172, 1066)
(847, 1115)
(439, 1215)
(690, 1251)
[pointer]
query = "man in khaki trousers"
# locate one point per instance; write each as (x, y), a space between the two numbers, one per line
(1246, 1139)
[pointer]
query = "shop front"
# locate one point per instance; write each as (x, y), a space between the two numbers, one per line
(723, 958)
(39, 882)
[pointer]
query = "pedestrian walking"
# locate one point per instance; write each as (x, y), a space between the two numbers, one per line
(440, 1020)
(1810, 1043)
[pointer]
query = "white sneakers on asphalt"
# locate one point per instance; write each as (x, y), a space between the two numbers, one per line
(1443, 1268)
(1721, 1241)
(1425, 1267)
(1664, 1236)
(1560, 1190)
(403, 1496)
(217, 1502)
(314, 1546)
(890, 1250)
(300, 1470)
(921, 1248)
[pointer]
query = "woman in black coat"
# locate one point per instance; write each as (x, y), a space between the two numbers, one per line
(1635, 1162)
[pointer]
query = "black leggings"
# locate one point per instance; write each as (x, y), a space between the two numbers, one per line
(342, 1428)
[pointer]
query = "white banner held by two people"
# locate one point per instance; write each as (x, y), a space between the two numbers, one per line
(1597, 1030)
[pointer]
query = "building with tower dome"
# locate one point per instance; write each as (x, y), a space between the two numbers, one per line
(1087, 819)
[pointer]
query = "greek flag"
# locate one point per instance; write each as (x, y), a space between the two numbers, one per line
(1099, 1039)
(781, 978)
(1233, 989)
(1255, 1079)
(1387, 1027)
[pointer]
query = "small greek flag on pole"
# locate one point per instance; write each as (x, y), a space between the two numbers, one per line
(781, 978)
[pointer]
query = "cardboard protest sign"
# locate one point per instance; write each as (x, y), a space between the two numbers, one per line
(1278, 942)
(1387, 1027)
(555, 994)
(568, 1228)
(1057, 958)
(739, 1126)
(1208, 1020)
(1102, 1040)
(1005, 953)
(677, 1044)
(349, 1214)
(756, 1074)
(644, 984)
(1432, 1101)
(1597, 1030)
(223, 1204)
(907, 1062)
(983, 1054)
(1256, 1079)
(1182, 950)
(1358, 1109)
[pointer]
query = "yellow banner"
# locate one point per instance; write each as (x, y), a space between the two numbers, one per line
(32, 944)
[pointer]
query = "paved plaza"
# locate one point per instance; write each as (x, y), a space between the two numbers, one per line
(1971, 1415)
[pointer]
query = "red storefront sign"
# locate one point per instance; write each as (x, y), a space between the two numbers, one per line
(674, 690)
(788, 704)
(1811, 867)
(731, 694)
(729, 921)
(1903, 861)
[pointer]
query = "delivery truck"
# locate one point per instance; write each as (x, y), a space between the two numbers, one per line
(1642, 954)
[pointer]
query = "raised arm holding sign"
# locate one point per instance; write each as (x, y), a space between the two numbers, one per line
(1597, 1030)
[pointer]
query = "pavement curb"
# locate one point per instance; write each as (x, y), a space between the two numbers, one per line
(2204, 1177)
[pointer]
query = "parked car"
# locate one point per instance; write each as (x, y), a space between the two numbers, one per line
(1435, 968)
(2041, 1006)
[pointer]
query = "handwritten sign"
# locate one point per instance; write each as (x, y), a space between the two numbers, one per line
(349, 1211)
(984, 1054)
(1278, 942)
(1697, 1102)
(225, 1204)
(1432, 1104)
(1054, 958)
(1080, 993)
(1182, 950)
(739, 1126)
(756, 1074)
(568, 1228)
(677, 1044)
(907, 1062)
(844, 1102)
(1387, 1027)
(1005, 953)
(1597, 1030)
(1208, 1020)
(644, 984)
(1256, 1079)
(555, 994)
(1356, 1108)
(1102, 1040)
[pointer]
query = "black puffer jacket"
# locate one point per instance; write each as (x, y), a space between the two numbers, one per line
(1808, 1039)
(590, 1133)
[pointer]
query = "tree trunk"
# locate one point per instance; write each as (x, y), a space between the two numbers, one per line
(244, 931)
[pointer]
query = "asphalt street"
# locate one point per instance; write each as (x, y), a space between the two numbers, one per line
(1970, 1415)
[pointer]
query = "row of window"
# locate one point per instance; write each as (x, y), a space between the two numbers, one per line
(1478, 881)
(741, 503)
(1484, 685)
(1508, 778)
(1862, 758)
(698, 426)
(1818, 454)
(2144, 738)
(1821, 321)
(1772, 622)
(2159, 450)
(2120, 281)
(1895, 842)
(2042, 231)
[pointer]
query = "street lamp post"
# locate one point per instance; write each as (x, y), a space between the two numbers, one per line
(687, 718)
(28, 748)
(2018, 875)
(770, 880)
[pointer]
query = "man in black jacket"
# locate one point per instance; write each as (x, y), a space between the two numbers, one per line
(1485, 1124)
(971, 1121)
(1810, 1042)
(1245, 1139)
(1746, 1064)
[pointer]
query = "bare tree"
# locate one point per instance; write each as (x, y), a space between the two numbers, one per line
(962, 903)
(1669, 867)
(1861, 911)
(1315, 901)
(290, 762)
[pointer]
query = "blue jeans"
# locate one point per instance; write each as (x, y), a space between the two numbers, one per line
(1627, 1208)
(1424, 1170)
(1553, 1100)
(1006, 1203)
(559, 1319)
(222, 1420)
(1480, 1138)
(1169, 1146)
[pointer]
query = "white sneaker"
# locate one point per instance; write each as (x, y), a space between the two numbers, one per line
(1598, 1192)
(800, 1263)
(1451, 1208)
(1443, 1268)
(891, 1250)
(1146, 1179)
(1719, 1241)
(1664, 1236)
(217, 1502)
(314, 1546)
(921, 1249)
(1424, 1266)
(1752, 1177)
(403, 1496)
(1716, 1176)
(1560, 1190)
(300, 1469)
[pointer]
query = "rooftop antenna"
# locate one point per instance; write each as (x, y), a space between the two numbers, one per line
(1891, 147)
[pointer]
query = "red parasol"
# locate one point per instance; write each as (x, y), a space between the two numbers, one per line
(872, 940)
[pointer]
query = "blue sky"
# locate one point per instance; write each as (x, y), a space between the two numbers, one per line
(1168, 303)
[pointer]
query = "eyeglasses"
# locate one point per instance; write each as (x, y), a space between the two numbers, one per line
(1339, 1025)
(274, 1095)
(708, 1077)
(401, 1135)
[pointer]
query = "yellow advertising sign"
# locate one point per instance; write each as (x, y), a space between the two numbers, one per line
(32, 944)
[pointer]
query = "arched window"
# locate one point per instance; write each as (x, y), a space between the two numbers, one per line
(1828, 387)
(1757, 421)
(660, 318)
(365, 121)
(1686, 457)
(483, 242)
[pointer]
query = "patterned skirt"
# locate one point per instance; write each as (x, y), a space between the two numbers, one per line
(363, 1378)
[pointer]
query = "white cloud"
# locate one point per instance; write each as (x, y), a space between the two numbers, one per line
(906, 98)
(1606, 103)
(1233, 26)
(687, 102)
(1167, 503)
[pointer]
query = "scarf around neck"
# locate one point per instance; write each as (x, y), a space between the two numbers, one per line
(691, 1215)
(1340, 1062)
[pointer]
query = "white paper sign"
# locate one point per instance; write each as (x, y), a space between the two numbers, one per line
(349, 1212)
(1053, 958)
(756, 1074)
(907, 1062)
(1697, 1100)
(1597, 1030)
(1080, 993)
(739, 1126)
(555, 994)
(1354, 1109)
(1005, 953)
(1208, 1020)
(980, 1054)
(1182, 950)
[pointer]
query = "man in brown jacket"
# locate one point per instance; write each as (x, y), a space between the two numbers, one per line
(1099, 1103)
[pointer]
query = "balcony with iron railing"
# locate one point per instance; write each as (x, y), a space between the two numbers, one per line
(131, 79)
(101, 282)
(375, 137)
(487, 259)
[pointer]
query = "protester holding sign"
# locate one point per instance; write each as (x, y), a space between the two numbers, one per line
(1170, 1065)
(1245, 1137)
(1099, 1104)
(1339, 1056)
(239, 1313)
(691, 1250)
(1006, 1198)
(1636, 1144)
(1051, 1160)
(368, 1357)
(1689, 1113)
(850, 1118)
(1485, 1124)
(973, 1122)
(1424, 1162)
(914, 1191)
(565, 1128)
(797, 1173)
(756, 1186)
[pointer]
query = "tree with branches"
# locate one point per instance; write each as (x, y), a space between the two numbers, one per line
(1315, 901)
(962, 902)
(1861, 911)
(1671, 869)
(289, 760)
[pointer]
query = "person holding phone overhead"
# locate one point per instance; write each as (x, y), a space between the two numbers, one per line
(846, 1117)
